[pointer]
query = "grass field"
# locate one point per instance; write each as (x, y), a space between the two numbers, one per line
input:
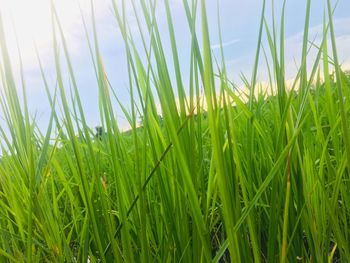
(220, 176)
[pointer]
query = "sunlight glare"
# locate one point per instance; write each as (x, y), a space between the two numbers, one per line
(33, 25)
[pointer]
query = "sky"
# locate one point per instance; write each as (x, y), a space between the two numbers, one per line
(30, 21)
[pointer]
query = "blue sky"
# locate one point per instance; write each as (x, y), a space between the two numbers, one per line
(239, 21)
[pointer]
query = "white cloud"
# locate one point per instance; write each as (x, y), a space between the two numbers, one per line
(293, 50)
(224, 44)
(293, 45)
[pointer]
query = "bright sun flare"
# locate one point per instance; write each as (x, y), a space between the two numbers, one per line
(32, 23)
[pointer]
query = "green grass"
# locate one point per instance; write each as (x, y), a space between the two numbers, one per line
(245, 178)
